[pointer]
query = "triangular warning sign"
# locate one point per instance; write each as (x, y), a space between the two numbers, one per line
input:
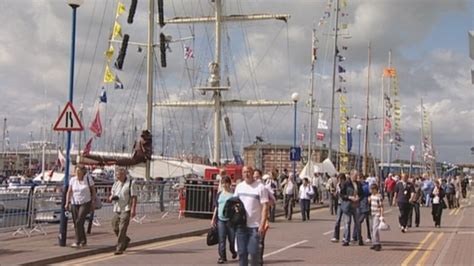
(68, 120)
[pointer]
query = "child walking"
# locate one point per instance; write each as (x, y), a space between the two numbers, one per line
(376, 207)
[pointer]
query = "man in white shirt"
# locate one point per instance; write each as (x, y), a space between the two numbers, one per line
(124, 196)
(254, 196)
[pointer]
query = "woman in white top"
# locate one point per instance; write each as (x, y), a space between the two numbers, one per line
(305, 195)
(80, 198)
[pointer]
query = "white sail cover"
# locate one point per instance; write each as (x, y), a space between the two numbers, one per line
(168, 169)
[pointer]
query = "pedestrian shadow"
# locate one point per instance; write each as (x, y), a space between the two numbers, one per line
(10, 252)
(159, 251)
(398, 243)
(289, 262)
(403, 249)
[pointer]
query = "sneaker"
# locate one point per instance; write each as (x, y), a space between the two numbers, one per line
(378, 248)
(234, 255)
(345, 244)
(127, 241)
(118, 252)
(220, 261)
(334, 240)
(368, 240)
(83, 245)
(75, 245)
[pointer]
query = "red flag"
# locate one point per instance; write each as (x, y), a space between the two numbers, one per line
(96, 125)
(387, 126)
(88, 147)
(320, 135)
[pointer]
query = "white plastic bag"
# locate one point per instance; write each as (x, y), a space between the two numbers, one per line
(383, 226)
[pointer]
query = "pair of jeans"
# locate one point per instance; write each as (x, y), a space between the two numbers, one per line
(225, 232)
(333, 204)
(271, 213)
(288, 207)
(248, 241)
(363, 216)
(304, 205)
(120, 223)
(390, 197)
(350, 214)
(404, 208)
(79, 213)
(427, 195)
(337, 226)
(415, 207)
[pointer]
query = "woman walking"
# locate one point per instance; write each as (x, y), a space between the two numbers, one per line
(224, 229)
(80, 198)
(438, 203)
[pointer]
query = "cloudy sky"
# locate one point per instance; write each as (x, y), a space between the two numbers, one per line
(269, 60)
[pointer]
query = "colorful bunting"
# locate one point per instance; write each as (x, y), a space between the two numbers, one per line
(120, 9)
(88, 147)
(103, 96)
(118, 84)
(188, 52)
(389, 72)
(109, 77)
(96, 125)
(109, 53)
(340, 69)
(117, 30)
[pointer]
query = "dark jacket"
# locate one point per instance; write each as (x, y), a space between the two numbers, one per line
(347, 191)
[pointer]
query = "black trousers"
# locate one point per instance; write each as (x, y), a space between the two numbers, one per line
(404, 208)
(437, 211)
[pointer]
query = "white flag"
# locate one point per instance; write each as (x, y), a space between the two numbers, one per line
(322, 124)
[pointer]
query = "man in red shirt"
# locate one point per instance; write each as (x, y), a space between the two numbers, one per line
(390, 188)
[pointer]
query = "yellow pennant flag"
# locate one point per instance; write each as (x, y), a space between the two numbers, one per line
(343, 26)
(343, 3)
(110, 52)
(109, 77)
(117, 30)
(120, 9)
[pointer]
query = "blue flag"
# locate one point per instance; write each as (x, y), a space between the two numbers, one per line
(341, 69)
(103, 96)
(349, 139)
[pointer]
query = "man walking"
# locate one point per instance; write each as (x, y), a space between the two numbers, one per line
(404, 193)
(254, 197)
(124, 196)
(351, 193)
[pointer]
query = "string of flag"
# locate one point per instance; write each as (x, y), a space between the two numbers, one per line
(345, 131)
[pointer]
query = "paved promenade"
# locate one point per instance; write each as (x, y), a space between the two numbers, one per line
(182, 242)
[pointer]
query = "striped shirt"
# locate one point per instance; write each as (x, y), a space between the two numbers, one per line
(376, 204)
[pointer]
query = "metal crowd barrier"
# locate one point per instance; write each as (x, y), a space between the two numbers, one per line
(29, 209)
(15, 209)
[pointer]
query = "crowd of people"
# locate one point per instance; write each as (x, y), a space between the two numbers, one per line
(243, 214)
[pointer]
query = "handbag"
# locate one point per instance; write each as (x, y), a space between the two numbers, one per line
(383, 226)
(98, 201)
(443, 204)
(212, 236)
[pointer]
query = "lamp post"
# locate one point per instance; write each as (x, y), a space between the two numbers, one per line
(359, 129)
(390, 157)
(74, 4)
(295, 97)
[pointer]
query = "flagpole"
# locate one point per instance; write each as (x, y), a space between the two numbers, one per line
(366, 135)
(422, 161)
(333, 81)
(311, 103)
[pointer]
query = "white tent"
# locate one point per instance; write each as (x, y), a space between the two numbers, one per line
(311, 167)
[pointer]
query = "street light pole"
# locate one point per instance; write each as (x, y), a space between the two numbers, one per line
(359, 129)
(74, 4)
(295, 97)
(390, 157)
